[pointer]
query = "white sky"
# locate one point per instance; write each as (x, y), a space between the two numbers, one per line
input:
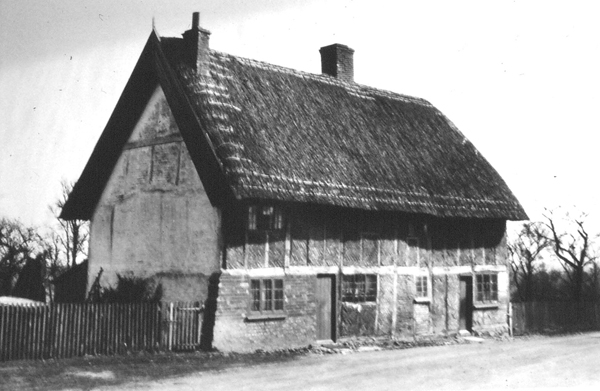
(519, 78)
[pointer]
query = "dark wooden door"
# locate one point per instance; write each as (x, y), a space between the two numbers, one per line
(325, 296)
(466, 303)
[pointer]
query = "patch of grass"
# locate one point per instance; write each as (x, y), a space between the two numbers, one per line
(94, 371)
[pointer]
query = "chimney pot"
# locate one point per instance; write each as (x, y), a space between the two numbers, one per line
(196, 42)
(337, 60)
(195, 20)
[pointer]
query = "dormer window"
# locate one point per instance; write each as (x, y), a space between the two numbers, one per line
(265, 218)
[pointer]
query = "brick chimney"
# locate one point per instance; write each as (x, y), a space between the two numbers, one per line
(196, 43)
(337, 61)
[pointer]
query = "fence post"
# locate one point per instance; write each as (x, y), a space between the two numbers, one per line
(171, 321)
(200, 313)
(510, 319)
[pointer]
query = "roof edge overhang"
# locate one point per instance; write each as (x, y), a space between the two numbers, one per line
(514, 213)
(151, 69)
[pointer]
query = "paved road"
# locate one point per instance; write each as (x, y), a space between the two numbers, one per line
(571, 362)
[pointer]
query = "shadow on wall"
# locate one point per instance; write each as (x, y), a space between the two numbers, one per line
(210, 310)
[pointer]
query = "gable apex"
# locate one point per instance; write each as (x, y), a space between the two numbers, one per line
(151, 70)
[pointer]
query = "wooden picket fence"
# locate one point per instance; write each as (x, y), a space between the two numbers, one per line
(67, 330)
(554, 316)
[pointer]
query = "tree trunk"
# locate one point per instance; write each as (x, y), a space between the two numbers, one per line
(578, 285)
(75, 243)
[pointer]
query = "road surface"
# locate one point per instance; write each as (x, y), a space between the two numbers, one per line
(567, 362)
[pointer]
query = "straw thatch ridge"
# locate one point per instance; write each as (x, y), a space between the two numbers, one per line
(274, 133)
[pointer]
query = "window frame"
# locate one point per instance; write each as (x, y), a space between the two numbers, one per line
(419, 283)
(360, 288)
(268, 300)
(265, 218)
(486, 293)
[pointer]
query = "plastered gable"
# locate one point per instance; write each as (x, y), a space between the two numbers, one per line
(154, 218)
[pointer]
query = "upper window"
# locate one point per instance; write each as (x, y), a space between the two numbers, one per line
(265, 218)
(487, 287)
(358, 288)
(267, 295)
(422, 289)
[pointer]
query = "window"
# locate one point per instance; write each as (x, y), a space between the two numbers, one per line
(267, 295)
(265, 218)
(422, 287)
(359, 288)
(487, 288)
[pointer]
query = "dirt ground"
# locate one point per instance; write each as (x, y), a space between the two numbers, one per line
(560, 362)
(538, 362)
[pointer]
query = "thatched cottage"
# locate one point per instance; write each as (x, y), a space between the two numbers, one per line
(298, 207)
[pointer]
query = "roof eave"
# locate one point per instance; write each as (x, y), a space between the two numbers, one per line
(88, 189)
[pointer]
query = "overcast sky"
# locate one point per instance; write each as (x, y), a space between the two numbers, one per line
(519, 78)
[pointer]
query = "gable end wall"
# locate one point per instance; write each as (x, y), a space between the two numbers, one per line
(154, 218)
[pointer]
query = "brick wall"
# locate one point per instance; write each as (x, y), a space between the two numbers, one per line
(396, 312)
(235, 331)
(492, 320)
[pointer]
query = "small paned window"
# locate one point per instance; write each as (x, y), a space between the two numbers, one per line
(267, 295)
(422, 287)
(265, 218)
(359, 288)
(487, 288)
(252, 218)
(255, 291)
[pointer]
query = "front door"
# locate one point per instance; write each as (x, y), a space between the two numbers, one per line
(325, 296)
(466, 303)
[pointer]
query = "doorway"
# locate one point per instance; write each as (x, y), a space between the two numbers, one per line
(325, 297)
(466, 303)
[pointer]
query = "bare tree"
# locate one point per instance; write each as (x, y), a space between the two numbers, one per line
(18, 244)
(54, 264)
(525, 251)
(575, 251)
(74, 234)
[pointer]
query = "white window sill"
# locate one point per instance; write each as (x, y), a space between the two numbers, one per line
(422, 300)
(485, 306)
(265, 317)
(367, 303)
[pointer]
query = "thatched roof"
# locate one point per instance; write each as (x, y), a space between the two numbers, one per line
(274, 133)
